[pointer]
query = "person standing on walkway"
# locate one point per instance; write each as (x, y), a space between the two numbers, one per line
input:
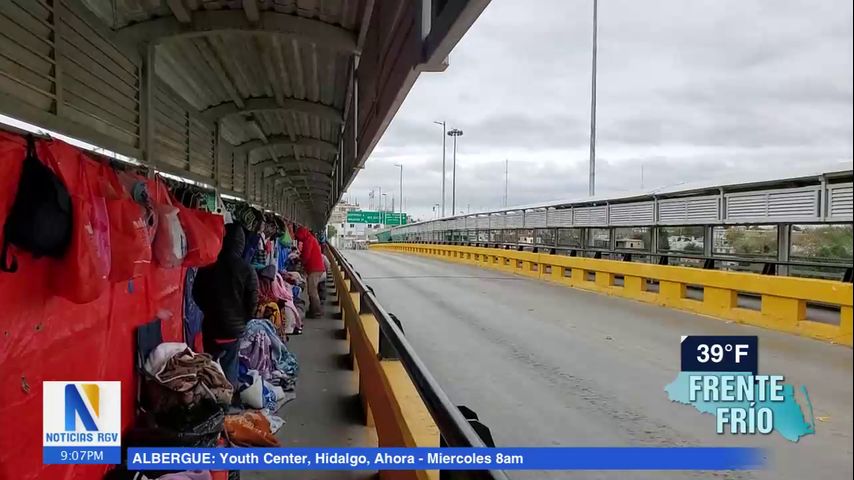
(227, 294)
(312, 261)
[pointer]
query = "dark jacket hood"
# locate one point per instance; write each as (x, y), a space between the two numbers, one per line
(234, 241)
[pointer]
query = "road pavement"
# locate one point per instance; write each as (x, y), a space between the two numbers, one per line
(547, 365)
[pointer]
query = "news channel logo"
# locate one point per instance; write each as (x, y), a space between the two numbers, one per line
(82, 422)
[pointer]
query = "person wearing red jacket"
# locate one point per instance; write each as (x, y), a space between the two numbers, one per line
(312, 261)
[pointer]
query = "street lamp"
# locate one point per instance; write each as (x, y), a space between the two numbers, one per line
(435, 206)
(444, 176)
(401, 189)
(454, 133)
(591, 182)
(382, 215)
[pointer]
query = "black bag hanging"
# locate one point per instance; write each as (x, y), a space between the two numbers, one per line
(40, 219)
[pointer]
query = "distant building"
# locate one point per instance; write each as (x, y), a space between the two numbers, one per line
(684, 243)
(630, 243)
(339, 212)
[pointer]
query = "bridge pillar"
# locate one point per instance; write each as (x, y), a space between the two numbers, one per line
(788, 311)
(719, 299)
(671, 293)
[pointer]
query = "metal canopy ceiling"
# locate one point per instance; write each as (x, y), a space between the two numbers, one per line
(276, 101)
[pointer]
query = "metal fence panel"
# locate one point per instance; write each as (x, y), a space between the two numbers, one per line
(840, 205)
(637, 213)
(535, 219)
(686, 211)
(590, 216)
(560, 217)
(790, 204)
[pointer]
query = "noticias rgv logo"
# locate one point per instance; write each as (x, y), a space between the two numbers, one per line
(82, 413)
(75, 406)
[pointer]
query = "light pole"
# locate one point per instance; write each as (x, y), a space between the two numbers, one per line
(506, 170)
(435, 206)
(591, 187)
(454, 133)
(382, 215)
(444, 176)
(400, 166)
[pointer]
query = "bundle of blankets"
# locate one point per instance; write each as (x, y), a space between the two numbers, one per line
(178, 378)
(276, 302)
(268, 370)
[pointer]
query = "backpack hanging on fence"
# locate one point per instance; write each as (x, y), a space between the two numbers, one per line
(40, 219)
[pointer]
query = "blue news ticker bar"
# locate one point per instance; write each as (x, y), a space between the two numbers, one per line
(528, 458)
(82, 455)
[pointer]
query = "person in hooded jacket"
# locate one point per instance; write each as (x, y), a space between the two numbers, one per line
(312, 261)
(227, 294)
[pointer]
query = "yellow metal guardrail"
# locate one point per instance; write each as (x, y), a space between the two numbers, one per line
(390, 400)
(783, 300)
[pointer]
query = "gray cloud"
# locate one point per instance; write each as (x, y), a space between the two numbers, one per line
(688, 90)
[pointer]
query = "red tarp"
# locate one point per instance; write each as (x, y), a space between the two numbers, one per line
(44, 337)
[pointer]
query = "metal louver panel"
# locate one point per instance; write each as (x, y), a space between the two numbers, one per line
(840, 205)
(496, 221)
(639, 213)
(170, 123)
(682, 211)
(482, 222)
(226, 169)
(513, 220)
(560, 218)
(239, 173)
(100, 86)
(535, 219)
(202, 141)
(590, 216)
(27, 55)
(59, 70)
(796, 203)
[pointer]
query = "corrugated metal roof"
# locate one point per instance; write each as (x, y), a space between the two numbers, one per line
(206, 89)
(273, 72)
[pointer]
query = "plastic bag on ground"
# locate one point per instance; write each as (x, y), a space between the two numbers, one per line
(253, 395)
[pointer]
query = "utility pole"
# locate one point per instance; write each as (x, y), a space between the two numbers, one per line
(444, 175)
(382, 214)
(591, 188)
(641, 176)
(454, 133)
(400, 166)
(506, 169)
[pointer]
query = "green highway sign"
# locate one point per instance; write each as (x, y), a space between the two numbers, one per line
(362, 216)
(394, 218)
(386, 218)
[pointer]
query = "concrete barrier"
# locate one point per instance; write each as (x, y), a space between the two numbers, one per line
(390, 400)
(782, 301)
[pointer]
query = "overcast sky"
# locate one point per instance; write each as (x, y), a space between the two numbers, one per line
(688, 90)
